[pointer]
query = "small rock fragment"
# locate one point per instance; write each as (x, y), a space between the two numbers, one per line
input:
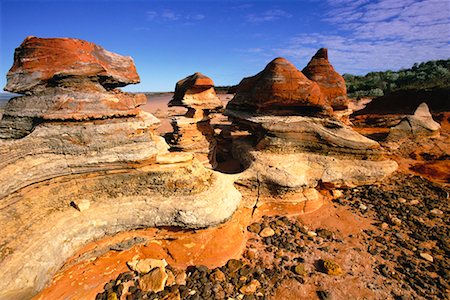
(170, 278)
(300, 270)
(414, 202)
(267, 232)
(311, 233)
(255, 228)
(436, 211)
(337, 194)
(144, 266)
(331, 268)
(81, 205)
(250, 288)
(362, 207)
(402, 200)
(218, 275)
(426, 256)
(154, 281)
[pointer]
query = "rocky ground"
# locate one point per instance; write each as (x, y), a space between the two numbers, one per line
(401, 252)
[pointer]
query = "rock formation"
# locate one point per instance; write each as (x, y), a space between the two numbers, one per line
(280, 89)
(193, 131)
(297, 150)
(332, 85)
(79, 160)
(415, 127)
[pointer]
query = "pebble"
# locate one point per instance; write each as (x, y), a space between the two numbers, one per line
(267, 232)
(250, 288)
(331, 268)
(300, 270)
(414, 202)
(311, 233)
(384, 226)
(396, 221)
(362, 207)
(426, 256)
(436, 211)
(218, 275)
(337, 194)
(402, 200)
(255, 228)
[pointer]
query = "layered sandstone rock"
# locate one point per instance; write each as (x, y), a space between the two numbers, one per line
(280, 89)
(417, 126)
(79, 160)
(331, 83)
(193, 131)
(296, 150)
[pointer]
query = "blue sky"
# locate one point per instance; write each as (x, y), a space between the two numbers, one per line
(229, 40)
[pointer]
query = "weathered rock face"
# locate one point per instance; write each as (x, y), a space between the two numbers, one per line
(280, 89)
(417, 126)
(298, 152)
(79, 160)
(196, 91)
(297, 141)
(193, 131)
(331, 83)
(40, 63)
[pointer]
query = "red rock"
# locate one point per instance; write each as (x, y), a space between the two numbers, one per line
(331, 83)
(196, 91)
(279, 89)
(43, 62)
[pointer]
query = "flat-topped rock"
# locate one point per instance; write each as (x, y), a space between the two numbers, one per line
(280, 89)
(331, 83)
(43, 62)
(196, 91)
(294, 133)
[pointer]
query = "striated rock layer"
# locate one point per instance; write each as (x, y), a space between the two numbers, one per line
(331, 83)
(193, 131)
(297, 140)
(79, 160)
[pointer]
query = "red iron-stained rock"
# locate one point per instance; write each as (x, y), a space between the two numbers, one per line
(196, 91)
(331, 83)
(43, 62)
(279, 89)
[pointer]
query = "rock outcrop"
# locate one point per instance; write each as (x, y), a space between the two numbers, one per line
(415, 127)
(295, 151)
(193, 131)
(331, 83)
(280, 89)
(80, 160)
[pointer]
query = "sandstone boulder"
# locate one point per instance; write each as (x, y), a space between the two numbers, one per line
(417, 126)
(332, 85)
(44, 62)
(280, 89)
(196, 91)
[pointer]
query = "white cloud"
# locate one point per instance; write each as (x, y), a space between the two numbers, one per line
(376, 35)
(167, 15)
(269, 15)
